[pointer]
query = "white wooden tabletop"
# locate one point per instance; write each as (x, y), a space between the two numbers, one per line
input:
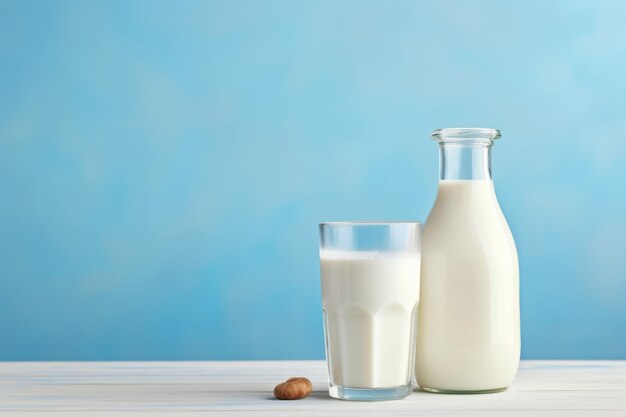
(554, 388)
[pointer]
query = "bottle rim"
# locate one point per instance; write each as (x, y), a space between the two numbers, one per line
(466, 135)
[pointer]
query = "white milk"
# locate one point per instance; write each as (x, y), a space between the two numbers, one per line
(468, 322)
(369, 301)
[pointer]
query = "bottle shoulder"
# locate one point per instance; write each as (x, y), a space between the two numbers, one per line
(462, 218)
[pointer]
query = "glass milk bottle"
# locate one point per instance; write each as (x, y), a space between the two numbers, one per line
(468, 335)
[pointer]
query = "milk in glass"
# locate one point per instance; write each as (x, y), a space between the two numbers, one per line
(369, 302)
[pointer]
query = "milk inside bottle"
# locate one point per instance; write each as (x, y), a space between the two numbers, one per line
(468, 333)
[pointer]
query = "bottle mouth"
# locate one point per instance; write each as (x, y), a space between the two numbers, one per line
(466, 135)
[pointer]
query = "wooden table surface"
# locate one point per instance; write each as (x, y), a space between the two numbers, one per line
(550, 388)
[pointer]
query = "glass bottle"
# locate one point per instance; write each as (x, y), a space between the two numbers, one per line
(468, 335)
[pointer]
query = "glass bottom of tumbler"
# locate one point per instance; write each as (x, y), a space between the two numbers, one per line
(452, 391)
(370, 394)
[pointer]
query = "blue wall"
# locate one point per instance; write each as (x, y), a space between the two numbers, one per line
(163, 166)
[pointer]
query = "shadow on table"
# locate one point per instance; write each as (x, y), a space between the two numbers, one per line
(322, 395)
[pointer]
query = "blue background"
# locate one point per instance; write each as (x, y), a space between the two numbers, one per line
(164, 165)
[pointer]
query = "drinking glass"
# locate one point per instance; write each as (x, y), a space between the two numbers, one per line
(370, 274)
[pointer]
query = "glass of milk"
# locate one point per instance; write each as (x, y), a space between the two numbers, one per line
(370, 291)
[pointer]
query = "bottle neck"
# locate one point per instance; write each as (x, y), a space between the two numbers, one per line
(464, 161)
